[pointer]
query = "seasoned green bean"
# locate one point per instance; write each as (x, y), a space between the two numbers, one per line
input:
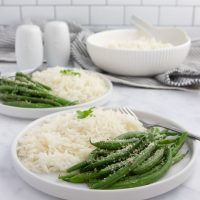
(144, 180)
(183, 137)
(121, 154)
(150, 162)
(133, 134)
(124, 171)
(113, 144)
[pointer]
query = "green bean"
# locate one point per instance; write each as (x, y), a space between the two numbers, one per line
(183, 137)
(77, 166)
(68, 176)
(124, 171)
(168, 141)
(145, 180)
(28, 78)
(15, 83)
(121, 154)
(99, 152)
(150, 162)
(14, 97)
(25, 104)
(113, 144)
(178, 157)
(133, 134)
(83, 177)
(34, 93)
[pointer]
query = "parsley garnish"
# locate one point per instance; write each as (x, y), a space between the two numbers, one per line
(69, 72)
(85, 113)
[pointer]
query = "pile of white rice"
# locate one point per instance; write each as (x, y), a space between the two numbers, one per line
(142, 43)
(63, 140)
(83, 88)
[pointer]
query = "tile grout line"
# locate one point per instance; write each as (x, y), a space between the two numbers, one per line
(193, 16)
(158, 20)
(55, 13)
(21, 16)
(124, 15)
(89, 15)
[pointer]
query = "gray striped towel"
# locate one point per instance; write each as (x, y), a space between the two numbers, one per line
(184, 77)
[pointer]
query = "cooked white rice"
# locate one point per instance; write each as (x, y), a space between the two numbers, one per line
(63, 140)
(83, 88)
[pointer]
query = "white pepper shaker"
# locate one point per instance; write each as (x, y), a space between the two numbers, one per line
(56, 43)
(28, 46)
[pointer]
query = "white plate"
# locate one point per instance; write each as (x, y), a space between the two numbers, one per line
(49, 184)
(33, 113)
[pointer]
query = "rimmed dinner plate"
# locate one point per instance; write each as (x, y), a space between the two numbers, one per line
(49, 183)
(34, 113)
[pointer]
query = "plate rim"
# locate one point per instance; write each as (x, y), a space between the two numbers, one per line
(17, 162)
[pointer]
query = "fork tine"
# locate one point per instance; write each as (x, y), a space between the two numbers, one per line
(123, 110)
(129, 111)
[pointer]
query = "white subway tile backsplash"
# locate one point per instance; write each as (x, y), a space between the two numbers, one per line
(124, 2)
(37, 12)
(197, 16)
(9, 15)
(193, 32)
(19, 2)
(75, 13)
(188, 2)
(54, 2)
(176, 15)
(159, 2)
(103, 15)
(89, 2)
(147, 13)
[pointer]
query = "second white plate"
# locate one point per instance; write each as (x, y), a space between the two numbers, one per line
(34, 113)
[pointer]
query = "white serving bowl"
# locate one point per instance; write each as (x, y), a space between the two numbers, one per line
(138, 62)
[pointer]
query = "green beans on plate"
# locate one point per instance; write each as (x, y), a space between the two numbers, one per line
(24, 92)
(132, 159)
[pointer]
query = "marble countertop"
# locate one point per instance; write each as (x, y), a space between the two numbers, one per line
(182, 107)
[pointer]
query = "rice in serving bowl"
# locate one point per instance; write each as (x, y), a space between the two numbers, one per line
(81, 88)
(63, 140)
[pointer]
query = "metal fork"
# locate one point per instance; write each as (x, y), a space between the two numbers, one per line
(146, 124)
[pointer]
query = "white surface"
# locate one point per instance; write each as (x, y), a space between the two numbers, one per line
(197, 16)
(137, 62)
(33, 113)
(33, 12)
(80, 11)
(74, 13)
(147, 13)
(182, 107)
(178, 15)
(100, 13)
(50, 185)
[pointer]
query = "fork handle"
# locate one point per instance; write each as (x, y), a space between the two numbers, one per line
(176, 130)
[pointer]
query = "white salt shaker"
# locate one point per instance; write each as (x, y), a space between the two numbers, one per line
(29, 46)
(56, 43)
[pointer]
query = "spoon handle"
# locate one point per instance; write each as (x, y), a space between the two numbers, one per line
(143, 25)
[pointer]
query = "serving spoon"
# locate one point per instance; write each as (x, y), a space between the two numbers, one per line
(160, 33)
(144, 26)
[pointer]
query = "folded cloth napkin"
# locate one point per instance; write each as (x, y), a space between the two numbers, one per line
(183, 77)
